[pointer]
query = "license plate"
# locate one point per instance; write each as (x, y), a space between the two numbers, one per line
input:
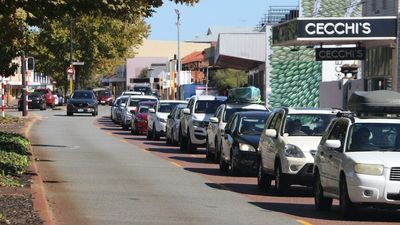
(103, 102)
(80, 110)
(29, 100)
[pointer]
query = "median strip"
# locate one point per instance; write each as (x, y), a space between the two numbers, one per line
(303, 222)
(175, 164)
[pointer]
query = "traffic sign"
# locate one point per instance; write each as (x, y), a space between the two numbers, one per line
(70, 70)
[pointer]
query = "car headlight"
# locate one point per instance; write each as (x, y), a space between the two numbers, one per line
(369, 169)
(197, 123)
(246, 147)
(163, 120)
(293, 151)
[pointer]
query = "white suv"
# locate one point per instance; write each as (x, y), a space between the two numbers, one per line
(131, 107)
(217, 125)
(193, 124)
(157, 118)
(288, 145)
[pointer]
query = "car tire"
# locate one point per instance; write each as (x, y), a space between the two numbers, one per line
(182, 141)
(347, 208)
(156, 137)
(191, 148)
(93, 113)
(263, 180)
(233, 170)
(321, 203)
(167, 139)
(209, 156)
(148, 134)
(173, 142)
(70, 113)
(223, 166)
(280, 182)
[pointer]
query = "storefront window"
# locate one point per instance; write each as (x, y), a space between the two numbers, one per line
(378, 68)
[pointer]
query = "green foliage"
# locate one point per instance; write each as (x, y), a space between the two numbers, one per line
(14, 143)
(13, 163)
(3, 219)
(8, 181)
(229, 78)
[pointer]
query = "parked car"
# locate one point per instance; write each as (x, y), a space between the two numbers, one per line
(61, 100)
(82, 101)
(193, 124)
(144, 88)
(157, 118)
(240, 142)
(104, 97)
(139, 119)
(114, 107)
(357, 160)
(131, 107)
(132, 93)
(118, 109)
(288, 145)
(36, 100)
(172, 127)
(217, 124)
(50, 99)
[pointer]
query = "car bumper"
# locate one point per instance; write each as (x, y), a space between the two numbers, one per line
(198, 136)
(246, 160)
(34, 105)
(141, 126)
(374, 190)
(81, 109)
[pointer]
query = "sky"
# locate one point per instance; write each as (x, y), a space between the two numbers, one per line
(195, 20)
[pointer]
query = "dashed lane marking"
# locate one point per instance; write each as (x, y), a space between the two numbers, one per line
(124, 141)
(175, 164)
(303, 222)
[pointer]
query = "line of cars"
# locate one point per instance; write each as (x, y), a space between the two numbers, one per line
(354, 159)
(41, 98)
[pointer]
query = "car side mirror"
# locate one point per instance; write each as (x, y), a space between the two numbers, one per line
(333, 144)
(152, 111)
(270, 132)
(214, 120)
(170, 117)
(186, 111)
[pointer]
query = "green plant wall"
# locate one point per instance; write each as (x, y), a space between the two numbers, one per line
(295, 75)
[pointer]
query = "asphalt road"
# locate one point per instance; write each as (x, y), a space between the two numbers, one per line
(95, 173)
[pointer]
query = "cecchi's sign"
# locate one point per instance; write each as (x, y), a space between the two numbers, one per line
(335, 29)
(348, 28)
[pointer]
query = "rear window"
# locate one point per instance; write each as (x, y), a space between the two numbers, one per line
(207, 106)
(144, 89)
(143, 109)
(167, 107)
(104, 93)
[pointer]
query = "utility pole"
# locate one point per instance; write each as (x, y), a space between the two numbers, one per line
(24, 95)
(178, 55)
(70, 56)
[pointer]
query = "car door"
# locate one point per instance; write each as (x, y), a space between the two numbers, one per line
(227, 139)
(218, 130)
(170, 122)
(186, 117)
(274, 143)
(212, 130)
(333, 157)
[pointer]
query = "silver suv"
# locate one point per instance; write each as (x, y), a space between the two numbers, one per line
(193, 124)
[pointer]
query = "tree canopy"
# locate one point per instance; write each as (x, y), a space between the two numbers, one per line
(104, 33)
(225, 79)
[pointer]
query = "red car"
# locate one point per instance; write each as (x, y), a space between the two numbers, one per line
(139, 121)
(48, 94)
(104, 97)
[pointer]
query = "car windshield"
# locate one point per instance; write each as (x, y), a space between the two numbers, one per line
(35, 94)
(167, 107)
(207, 106)
(135, 102)
(229, 112)
(252, 125)
(374, 137)
(82, 95)
(143, 109)
(307, 124)
(43, 91)
(144, 89)
(104, 93)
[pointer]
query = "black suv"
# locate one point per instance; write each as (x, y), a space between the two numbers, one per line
(82, 102)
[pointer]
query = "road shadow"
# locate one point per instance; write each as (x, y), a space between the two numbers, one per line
(189, 159)
(166, 150)
(49, 146)
(308, 211)
(206, 171)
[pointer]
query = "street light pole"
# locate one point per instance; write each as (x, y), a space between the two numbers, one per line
(178, 55)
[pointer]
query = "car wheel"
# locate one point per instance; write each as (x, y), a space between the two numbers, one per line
(182, 140)
(209, 156)
(346, 207)
(190, 146)
(263, 180)
(223, 166)
(234, 171)
(218, 150)
(321, 203)
(148, 134)
(70, 113)
(93, 113)
(167, 138)
(173, 142)
(280, 182)
(156, 137)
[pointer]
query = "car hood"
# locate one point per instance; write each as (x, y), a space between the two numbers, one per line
(202, 116)
(305, 143)
(388, 159)
(249, 139)
(81, 101)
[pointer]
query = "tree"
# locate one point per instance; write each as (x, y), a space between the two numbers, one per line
(17, 16)
(229, 78)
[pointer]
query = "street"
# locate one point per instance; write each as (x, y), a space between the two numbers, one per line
(96, 173)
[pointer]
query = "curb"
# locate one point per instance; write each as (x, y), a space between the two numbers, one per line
(40, 204)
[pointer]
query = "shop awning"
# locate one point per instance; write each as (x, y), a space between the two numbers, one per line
(336, 30)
